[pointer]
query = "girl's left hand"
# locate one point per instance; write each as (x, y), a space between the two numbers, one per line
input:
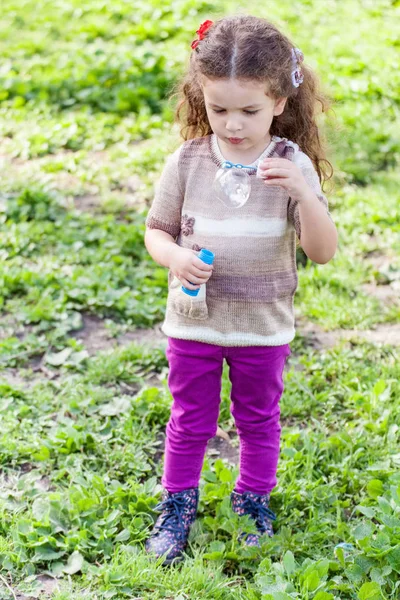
(286, 174)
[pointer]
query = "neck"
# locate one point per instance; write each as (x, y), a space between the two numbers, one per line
(244, 156)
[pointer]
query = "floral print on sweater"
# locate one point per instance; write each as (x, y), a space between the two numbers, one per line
(187, 224)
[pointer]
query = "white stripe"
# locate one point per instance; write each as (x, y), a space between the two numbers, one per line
(236, 227)
(212, 336)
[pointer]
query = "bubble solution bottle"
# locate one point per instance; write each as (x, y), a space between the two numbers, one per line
(207, 257)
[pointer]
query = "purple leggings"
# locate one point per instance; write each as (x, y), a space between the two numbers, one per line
(195, 383)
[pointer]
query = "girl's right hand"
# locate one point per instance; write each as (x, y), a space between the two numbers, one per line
(188, 268)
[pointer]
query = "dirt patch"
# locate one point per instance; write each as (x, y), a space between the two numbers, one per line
(293, 422)
(48, 586)
(387, 294)
(386, 333)
(35, 170)
(114, 202)
(383, 334)
(96, 337)
(219, 446)
(11, 327)
(85, 195)
(16, 378)
(87, 203)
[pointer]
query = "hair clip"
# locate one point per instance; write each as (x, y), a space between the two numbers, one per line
(297, 74)
(204, 27)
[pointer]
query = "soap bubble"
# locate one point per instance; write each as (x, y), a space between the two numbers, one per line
(232, 186)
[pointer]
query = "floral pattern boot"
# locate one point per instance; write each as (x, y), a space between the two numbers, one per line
(255, 505)
(171, 531)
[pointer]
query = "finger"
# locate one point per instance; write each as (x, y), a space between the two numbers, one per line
(281, 181)
(200, 272)
(274, 162)
(189, 284)
(274, 172)
(202, 266)
(195, 279)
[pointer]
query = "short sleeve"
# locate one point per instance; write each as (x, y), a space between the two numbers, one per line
(311, 176)
(165, 211)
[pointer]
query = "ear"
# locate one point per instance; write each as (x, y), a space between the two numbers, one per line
(279, 106)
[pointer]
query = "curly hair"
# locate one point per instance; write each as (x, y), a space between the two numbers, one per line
(248, 48)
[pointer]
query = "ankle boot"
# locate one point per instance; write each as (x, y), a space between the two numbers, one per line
(171, 530)
(255, 505)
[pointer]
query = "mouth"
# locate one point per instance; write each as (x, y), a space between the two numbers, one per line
(235, 140)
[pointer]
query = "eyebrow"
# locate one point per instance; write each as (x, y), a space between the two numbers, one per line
(250, 106)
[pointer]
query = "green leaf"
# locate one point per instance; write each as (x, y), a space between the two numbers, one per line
(382, 541)
(339, 553)
(46, 552)
(362, 531)
(57, 568)
(368, 511)
(74, 564)
(116, 407)
(58, 358)
(113, 516)
(322, 567)
(323, 596)
(289, 562)
(281, 596)
(333, 566)
(385, 506)
(24, 526)
(379, 387)
(378, 575)
(375, 488)
(225, 476)
(41, 509)
(390, 521)
(312, 581)
(268, 589)
(42, 454)
(370, 591)
(395, 492)
(365, 563)
(355, 574)
(214, 555)
(393, 558)
(123, 536)
(232, 556)
(217, 546)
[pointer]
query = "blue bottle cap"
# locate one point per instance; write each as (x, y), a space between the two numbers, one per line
(190, 292)
(206, 256)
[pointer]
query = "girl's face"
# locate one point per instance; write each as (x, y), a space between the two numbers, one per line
(240, 114)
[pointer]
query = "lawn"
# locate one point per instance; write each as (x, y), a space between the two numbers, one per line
(85, 127)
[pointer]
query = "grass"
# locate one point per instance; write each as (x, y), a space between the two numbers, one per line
(85, 126)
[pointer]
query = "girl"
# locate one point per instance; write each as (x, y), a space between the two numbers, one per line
(246, 100)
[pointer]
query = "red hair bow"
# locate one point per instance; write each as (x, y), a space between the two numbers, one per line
(204, 27)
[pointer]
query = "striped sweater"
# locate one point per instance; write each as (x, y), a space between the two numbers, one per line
(248, 300)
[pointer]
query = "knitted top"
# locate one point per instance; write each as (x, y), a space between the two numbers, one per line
(248, 300)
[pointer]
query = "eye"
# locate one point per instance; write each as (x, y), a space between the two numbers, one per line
(248, 112)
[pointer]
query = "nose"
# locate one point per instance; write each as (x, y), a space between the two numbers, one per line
(233, 124)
